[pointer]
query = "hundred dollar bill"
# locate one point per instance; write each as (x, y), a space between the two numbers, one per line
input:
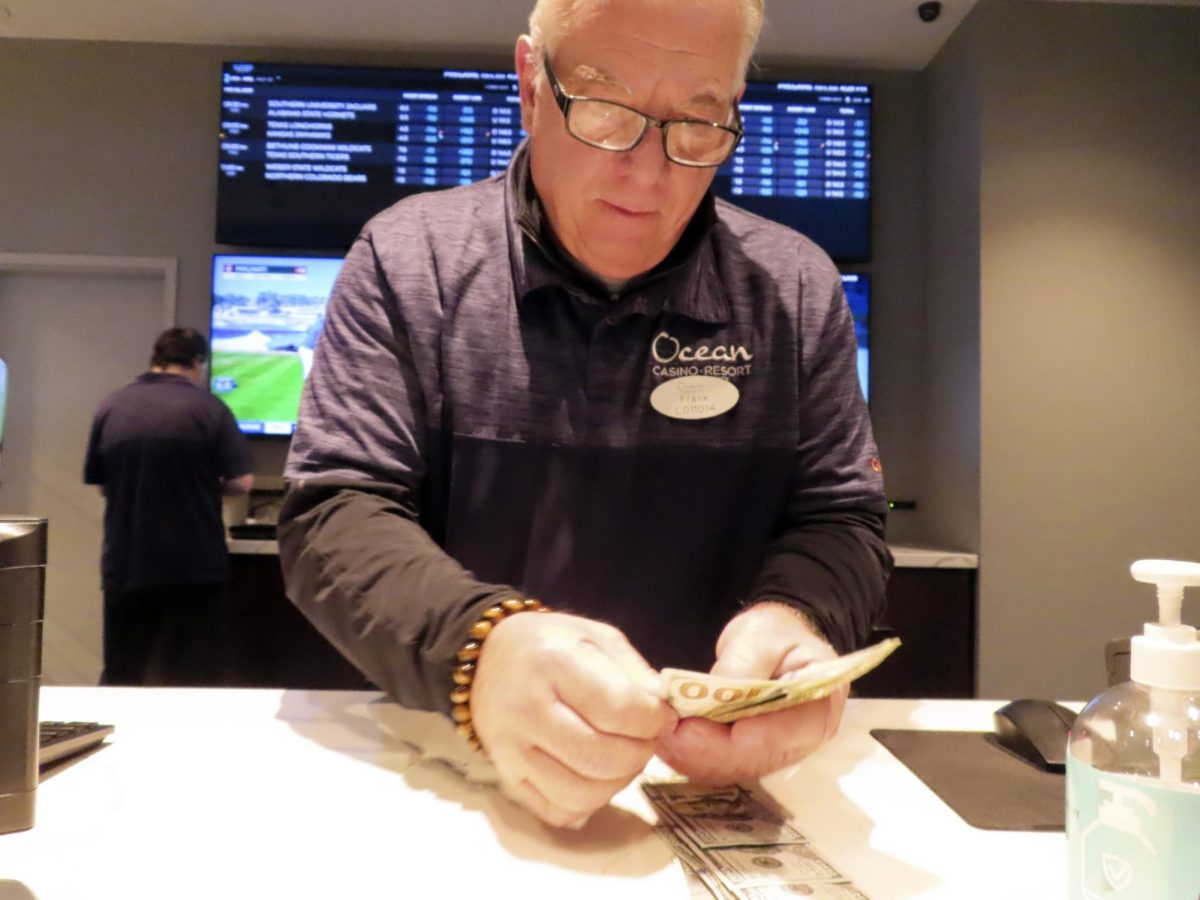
(729, 699)
(702, 883)
(741, 867)
(814, 890)
(738, 847)
(719, 817)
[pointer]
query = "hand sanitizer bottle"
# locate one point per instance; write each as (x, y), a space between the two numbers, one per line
(1133, 763)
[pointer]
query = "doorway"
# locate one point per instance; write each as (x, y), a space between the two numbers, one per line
(71, 332)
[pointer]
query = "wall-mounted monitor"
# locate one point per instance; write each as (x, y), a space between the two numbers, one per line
(805, 161)
(267, 312)
(309, 153)
(858, 296)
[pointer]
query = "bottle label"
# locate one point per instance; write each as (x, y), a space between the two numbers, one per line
(1131, 837)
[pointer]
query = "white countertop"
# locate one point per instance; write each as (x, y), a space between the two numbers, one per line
(302, 794)
(911, 557)
(250, 548)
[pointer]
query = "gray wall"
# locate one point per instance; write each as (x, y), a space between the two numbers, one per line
(1084, 291)
(950, 423)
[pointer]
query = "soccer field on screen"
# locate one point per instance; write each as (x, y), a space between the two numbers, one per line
(266, 385)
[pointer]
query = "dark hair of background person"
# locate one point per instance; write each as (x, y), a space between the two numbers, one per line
(180, 347)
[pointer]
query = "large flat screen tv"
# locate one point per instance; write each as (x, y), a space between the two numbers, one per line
(858, 296)
(268, 311)
(309, 153)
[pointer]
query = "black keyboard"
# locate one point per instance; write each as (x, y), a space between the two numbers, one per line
(58, 740)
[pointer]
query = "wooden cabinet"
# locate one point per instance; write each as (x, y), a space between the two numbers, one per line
(931, 609)
(272, 643)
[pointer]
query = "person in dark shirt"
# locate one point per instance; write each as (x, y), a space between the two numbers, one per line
(589, 383)
(163, 451)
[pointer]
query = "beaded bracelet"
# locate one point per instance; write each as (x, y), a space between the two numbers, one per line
(464, 674)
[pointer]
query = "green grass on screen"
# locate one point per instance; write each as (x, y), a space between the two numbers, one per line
(268, 384)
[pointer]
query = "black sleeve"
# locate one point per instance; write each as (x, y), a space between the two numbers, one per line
(356, 559)
(375, 584)
(833, 568)
(93, 460)
(233, 450)
(829, 559)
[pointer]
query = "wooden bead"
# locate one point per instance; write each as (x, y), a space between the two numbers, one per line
(481, 629)
(464, 674)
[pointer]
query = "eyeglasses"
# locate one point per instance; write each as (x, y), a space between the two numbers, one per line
(609, 125)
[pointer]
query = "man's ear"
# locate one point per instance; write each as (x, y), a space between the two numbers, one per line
(527, 67)
(196, 371)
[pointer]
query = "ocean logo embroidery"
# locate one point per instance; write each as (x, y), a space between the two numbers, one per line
(674, 359)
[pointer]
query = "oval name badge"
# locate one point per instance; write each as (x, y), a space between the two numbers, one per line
(694, 397)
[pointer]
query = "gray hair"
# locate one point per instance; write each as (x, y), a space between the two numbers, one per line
(551, 20)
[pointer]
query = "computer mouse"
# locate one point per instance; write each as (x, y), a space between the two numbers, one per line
(1036, 731)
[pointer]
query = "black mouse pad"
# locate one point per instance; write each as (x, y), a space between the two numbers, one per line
(988, 786)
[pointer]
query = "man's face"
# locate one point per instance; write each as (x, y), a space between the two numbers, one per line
(619, 214)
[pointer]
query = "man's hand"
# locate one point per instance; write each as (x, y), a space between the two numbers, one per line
(568, 712)
(768, 640)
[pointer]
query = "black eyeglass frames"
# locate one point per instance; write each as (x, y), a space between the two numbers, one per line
(609, 125)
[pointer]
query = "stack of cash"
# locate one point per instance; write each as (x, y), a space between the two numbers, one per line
(738, 848)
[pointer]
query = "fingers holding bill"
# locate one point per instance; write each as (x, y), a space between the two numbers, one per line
(711, 753)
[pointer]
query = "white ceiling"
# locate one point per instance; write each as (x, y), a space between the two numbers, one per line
(885, 34)
(869, 33)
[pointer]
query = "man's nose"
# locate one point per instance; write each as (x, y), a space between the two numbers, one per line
(649, 157)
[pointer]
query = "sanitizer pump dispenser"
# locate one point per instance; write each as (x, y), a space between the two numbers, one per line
(1133, 762)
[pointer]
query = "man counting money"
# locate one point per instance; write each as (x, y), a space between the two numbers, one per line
(582, 421)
